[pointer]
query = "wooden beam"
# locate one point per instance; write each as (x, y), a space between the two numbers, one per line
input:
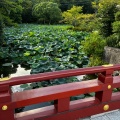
(33, 96)
(78, 109)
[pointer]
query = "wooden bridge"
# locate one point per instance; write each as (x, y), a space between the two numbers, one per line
(63, 109)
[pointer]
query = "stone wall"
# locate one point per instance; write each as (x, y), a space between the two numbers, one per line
(112, 55)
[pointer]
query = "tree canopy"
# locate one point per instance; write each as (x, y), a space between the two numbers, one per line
(11, 11)
(72, 16)
(47, 12)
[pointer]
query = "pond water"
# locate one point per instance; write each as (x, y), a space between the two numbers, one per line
(19, 72)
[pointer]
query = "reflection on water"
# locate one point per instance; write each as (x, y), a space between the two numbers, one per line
(20, 72)
(9, 70)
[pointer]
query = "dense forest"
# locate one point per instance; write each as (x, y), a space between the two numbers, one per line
(39, 11)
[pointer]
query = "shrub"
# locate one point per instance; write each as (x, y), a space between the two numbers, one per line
(72, 16)
(1, 30)
(117, 16)
(94, 45)
(86, 22)
(116, 27)
(114, 40)
(106, 14)
(95, 61)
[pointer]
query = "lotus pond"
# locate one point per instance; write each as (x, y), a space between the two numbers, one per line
(42, 48)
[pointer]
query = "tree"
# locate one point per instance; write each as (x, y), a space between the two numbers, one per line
(114, 39)
(10, 11)
(68, 4)
(27, 6)
(1, 30)
(106, 14)
(72, 16)
(47, 12)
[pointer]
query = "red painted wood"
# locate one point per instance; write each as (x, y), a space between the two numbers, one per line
(5, 99)
(50, 110)
(108, 72)
(62, 105)
(7, 115)
(116, 82)
(78, 109)
(5, 94)
(82, 113)
(57, 74)
(104, 96)
(56, 92)
(62, 110)
(36, 113)
(4, 88)
(105, 77)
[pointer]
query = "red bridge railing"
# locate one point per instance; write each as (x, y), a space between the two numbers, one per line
(63, 108)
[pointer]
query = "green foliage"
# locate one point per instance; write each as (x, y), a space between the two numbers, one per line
(44, 48)
(95, 61)
(27, 6)
(47, 12)
(93, 46)
(87, 22)
(106, 11)
(117, 16)
(1, 30)
(68, 4)
(17, 11)
(114, 39)
(72, 16)
(11, 11)
(116, 27)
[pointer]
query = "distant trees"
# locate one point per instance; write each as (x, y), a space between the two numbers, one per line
(76, 18)
(17, 11)
(27, 6)
(68, 4)
(72, 16)
(106, 14)
(1, 30)
(47, 12)
(11, 11)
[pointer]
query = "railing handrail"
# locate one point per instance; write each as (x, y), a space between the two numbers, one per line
(57, 92)
(57, 74)
(63, 108)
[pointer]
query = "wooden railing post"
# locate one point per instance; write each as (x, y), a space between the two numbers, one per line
(6, 107)
(62, 105)
(105, 77)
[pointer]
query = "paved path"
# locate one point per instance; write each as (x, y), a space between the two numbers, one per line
(113, 115)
